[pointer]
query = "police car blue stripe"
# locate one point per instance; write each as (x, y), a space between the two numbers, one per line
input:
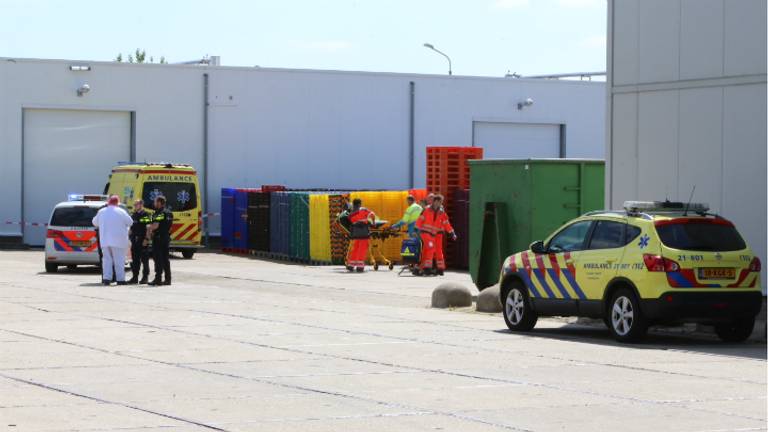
(574, 285)
(543, 282)
(558, 284)
(528, 283)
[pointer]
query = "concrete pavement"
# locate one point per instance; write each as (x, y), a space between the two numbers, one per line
(238, 344)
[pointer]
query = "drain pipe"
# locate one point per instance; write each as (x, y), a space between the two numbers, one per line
(206, 223)
(411, 142)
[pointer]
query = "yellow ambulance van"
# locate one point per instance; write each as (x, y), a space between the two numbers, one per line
(178, 184)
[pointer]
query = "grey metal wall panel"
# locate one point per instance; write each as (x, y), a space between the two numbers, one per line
(701, 39)
(744, 162)
(745, 37)
(657, 145)
(624, 175)
(700, 146)
(658, 42)
(624, 53)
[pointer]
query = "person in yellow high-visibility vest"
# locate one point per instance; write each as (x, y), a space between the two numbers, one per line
(410, 217)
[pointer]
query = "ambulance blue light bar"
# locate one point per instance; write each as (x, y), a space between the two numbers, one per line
(664, 206)
(87, 197)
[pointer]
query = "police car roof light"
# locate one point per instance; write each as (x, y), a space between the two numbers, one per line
(664, 206)
(87, 197)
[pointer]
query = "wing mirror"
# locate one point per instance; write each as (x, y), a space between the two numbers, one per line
(537, 247)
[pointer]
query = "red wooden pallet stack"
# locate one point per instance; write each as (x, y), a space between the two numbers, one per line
(447, 171)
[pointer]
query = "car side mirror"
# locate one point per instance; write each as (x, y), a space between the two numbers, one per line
(538, 247)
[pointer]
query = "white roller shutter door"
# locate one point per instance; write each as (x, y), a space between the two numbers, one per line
(517, 140)
(68, 151)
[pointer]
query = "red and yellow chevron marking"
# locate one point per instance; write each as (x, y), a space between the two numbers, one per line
(185, 232)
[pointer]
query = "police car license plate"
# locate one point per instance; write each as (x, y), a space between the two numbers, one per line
(717, 273)
(80, 243)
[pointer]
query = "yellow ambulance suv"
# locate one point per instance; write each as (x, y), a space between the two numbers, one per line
(653, 263)
(178, 184)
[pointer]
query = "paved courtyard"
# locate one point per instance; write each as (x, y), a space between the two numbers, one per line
(238, 344)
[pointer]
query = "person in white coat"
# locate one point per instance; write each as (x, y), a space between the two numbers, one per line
(113, 223)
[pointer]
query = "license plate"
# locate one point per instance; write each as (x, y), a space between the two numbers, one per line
(80, 243)
(717, 273)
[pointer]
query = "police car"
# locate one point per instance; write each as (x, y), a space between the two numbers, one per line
(71, 238)
(653, 263)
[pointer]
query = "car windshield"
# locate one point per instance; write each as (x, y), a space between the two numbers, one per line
(178, 196)
(701, 236)
(78, 216)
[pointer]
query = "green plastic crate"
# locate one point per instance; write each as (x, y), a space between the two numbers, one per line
(515, 202)
(299, 228)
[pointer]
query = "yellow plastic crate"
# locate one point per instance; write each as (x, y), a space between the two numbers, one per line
(319, 228)
(388, 206)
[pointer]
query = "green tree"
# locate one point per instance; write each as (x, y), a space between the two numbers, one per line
(139, 56)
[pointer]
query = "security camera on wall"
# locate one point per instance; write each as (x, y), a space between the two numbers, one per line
(83, 89)
(526, 103)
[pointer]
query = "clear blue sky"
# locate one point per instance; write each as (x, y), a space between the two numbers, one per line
(483, 37)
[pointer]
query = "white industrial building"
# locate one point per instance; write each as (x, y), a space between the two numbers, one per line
(687, 106)
(64, 124)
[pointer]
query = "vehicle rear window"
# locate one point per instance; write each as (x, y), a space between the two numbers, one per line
(178, 196)
(79, 216)
(700, 236)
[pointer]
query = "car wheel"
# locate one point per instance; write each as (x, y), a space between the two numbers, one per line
(625, 318)
(518, 313)
(187, 254)
(737, 330)
(51, 267)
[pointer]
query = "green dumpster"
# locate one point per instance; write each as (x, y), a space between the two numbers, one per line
(515, 202)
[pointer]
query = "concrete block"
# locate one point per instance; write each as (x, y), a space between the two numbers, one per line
(451, 294)
(488, 300)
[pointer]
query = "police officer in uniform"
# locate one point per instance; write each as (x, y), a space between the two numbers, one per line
(139, 243)
(160, 230)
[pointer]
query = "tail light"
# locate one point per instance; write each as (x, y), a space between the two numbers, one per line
(52, 234)
(657, 263)
(755, 265)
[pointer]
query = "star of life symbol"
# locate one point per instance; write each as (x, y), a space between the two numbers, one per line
(644, 241)
(154, 193)
(183, 196)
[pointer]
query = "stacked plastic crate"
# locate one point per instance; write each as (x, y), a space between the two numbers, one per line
(448, 171)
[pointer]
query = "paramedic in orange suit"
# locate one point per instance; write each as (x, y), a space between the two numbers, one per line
(432, 224)
(361, 219)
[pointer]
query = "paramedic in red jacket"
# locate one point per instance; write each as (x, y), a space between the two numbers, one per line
(361, 219)
(432, 224)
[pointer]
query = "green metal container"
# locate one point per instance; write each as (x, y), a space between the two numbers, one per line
(515, 202)
(299, 228)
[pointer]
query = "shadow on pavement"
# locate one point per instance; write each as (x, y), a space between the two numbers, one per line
(696, 343)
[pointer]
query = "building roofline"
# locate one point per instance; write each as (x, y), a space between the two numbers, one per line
(204, 68)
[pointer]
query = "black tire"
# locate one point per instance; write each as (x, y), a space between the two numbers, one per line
(625, 319)
(376, 267)
(737, 330)
(517, 310)
(187, 253)
(391, 266)
(51, 267)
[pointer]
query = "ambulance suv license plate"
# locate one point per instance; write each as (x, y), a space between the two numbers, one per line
(80, 243)
(717, 273)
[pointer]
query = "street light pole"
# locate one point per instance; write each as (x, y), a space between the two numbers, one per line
(432, 47)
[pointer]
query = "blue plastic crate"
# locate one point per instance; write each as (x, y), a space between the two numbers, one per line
(227, 217)
(280, 223)
(240, 220)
